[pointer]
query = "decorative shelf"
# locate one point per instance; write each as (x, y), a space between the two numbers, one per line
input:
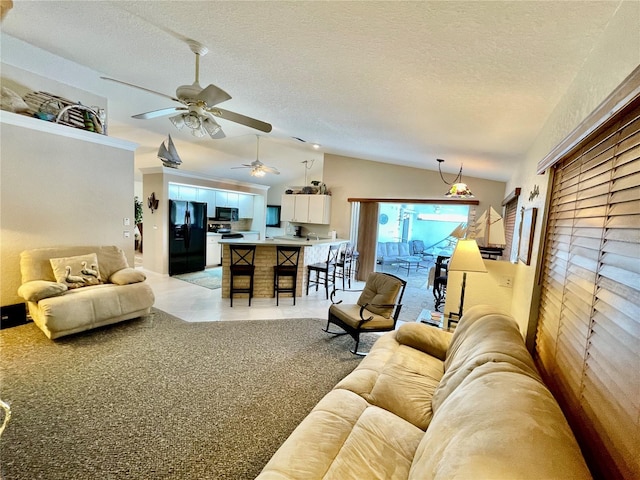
(15, 119)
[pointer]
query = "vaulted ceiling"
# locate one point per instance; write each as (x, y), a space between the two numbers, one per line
(472, 82)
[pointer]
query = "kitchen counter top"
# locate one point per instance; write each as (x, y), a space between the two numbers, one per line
(233, 231)
(303, 242)
(313, 251)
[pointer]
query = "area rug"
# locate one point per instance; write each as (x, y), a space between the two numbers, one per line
(210, 278)
(159, 398)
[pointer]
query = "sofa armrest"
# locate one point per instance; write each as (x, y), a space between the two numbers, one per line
(36, 290)
(430, 340)
(126, 276)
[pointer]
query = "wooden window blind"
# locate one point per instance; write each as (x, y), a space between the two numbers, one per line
(588, 334)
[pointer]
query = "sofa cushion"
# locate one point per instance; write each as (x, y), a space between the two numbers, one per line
(36, 290)
(77, 271)
(499, 424)
(390, 251)
(379, 290)
(398, 378)
(363, 378)
(349, 439)
(482, 337)
(406, 384)
(425, 338)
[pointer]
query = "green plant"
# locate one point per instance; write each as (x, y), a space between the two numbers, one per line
(138, 209)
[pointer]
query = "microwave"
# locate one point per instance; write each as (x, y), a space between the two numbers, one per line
(227, 214)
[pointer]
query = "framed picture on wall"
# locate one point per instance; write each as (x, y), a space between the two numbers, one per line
(527, 227)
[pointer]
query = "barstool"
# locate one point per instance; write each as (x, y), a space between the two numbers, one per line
(241, 265)
(287, 267)
(327, 268)
(344, 265)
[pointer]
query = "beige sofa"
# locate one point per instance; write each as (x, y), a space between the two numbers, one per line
(109, 292)
(426, 404)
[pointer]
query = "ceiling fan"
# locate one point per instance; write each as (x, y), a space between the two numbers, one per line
(258, 169)
(198, 110)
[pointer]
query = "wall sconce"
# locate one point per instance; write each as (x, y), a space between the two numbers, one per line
(458, 189)
(153, 202)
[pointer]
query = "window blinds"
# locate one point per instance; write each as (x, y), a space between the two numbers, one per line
(588, 335)
(510, 210)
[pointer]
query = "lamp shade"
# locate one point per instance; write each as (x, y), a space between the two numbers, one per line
(459, 190)
(466, 257)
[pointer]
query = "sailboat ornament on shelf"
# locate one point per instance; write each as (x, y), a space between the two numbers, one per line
(490, 229)
(168, 154)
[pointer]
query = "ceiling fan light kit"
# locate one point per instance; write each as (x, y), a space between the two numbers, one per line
(258, 169)
(458, 189)
(199, 125)
(198, 105)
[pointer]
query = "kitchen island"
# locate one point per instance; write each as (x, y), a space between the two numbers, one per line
(313, 251)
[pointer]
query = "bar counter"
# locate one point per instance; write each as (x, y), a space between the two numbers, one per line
(313, 251)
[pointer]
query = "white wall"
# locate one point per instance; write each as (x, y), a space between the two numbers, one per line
(482, 288)
(56, 190)
(349, 177)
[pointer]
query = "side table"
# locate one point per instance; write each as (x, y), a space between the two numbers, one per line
(435, 319)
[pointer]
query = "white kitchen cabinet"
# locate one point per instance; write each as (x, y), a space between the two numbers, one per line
(301, 209)
(306, 208)
(208, 196)
(251, 236)
(319, 209)
(226, 199)
(214, 257)
(245, 205)
(287, 212)
(174, 191)
(183, 192)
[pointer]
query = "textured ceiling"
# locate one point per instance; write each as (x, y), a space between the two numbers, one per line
(399, 82)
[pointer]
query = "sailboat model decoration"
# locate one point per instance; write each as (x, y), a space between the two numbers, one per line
(490, 230)
(168, 154)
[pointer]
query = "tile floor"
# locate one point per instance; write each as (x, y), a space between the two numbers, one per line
(192, 303)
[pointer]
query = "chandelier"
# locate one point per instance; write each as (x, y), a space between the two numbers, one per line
(199, 124)
(458, 189)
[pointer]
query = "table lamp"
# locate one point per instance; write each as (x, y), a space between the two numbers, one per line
(466, 258)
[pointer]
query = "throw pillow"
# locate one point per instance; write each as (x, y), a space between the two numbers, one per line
(126, 276)
(76, 272)
(36, 290)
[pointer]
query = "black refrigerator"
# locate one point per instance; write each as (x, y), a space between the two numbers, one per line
(187, 236)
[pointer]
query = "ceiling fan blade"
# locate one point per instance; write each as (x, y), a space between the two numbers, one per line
(142, 88)
(158, 113)
(241, 119)
(213, 95)
(243, 166)
(270, 170)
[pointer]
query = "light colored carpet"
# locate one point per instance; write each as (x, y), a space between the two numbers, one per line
(159, 398)
(210, 278)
